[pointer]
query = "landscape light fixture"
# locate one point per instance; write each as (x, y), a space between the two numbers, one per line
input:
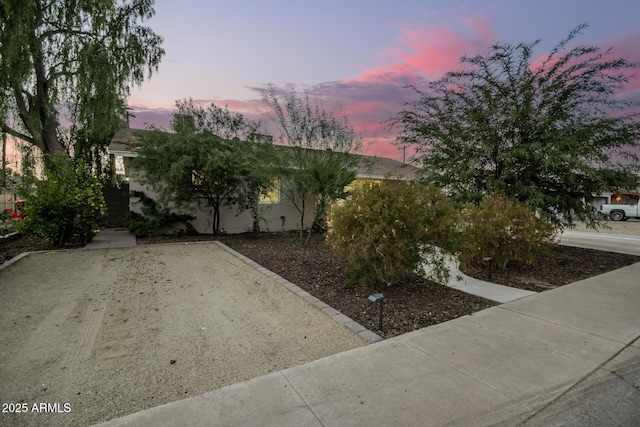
(490, 260)
(378, 298)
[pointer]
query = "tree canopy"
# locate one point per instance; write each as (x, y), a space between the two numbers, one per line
(196, 165)
(552, 133)
(72, 61)
(320, 142)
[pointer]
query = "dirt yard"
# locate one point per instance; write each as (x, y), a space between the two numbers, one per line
(105, 333)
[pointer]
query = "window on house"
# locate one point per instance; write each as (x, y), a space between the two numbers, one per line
(272, 196)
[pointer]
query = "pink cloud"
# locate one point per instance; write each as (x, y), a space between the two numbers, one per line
(484, 27)
(627, 47)
(377, 94)
(433, 51)
(624, 47)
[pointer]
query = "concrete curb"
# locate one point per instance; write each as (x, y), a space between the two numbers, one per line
(14, 259)
(347, 322)
(24, 254)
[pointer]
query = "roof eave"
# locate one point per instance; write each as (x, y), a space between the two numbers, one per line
(122, 153)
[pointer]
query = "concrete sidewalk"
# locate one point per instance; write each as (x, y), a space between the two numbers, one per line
(112, 238)
(599, 241)
(520, 363)
(487, 290)
(490, 291)
(470, 285)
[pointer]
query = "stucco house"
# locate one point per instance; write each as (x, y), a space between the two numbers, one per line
(278, 213)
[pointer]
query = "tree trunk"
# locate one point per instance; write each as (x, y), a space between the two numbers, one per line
(302, 222)
(51, 142)
(216, 219)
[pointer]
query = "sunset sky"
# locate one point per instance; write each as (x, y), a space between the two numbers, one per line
(359, 54)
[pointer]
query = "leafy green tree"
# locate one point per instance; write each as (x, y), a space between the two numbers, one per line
(196, 165)
(318, 161)
(73, 56)
(552, 135)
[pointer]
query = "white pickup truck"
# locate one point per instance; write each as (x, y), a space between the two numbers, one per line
(621, 212)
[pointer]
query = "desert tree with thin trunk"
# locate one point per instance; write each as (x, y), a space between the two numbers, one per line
(318, 162)
(553, 133)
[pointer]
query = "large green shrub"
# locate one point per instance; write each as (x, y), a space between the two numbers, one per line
(504, 230)
(156, 220)
(65, 207)
(389, 229)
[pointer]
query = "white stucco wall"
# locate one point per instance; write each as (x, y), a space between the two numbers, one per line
(277, 217)
(230, 220)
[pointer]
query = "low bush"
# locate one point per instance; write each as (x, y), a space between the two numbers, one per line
(504, 230)
(65, 207)
(390, 229)
(155, 220)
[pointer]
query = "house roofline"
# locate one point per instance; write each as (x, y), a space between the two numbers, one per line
(124, 144)
(377, 176)
(122, 153)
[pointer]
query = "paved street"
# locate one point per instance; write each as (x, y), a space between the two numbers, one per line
(625, 244)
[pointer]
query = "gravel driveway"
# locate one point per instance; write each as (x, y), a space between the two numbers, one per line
(103, 333)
